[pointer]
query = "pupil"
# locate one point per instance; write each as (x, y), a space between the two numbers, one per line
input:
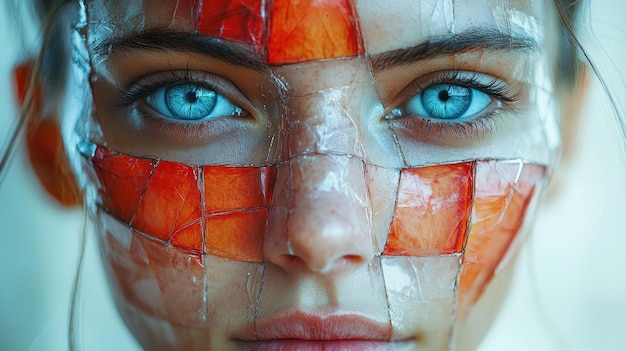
(191, 97)
(444, 96)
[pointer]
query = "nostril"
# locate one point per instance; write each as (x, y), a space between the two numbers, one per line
(353, 261)
(323, 266)
(344, 263)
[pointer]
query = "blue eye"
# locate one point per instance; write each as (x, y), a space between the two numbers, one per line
(191, 102)
(446, 102)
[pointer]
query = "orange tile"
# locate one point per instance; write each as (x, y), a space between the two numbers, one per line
(233, 188)
(236, 20)
(123, 180)
(191, 210)
(238, 236)
(171, 197)
(189, 237)
(312, 29)
(432, 211)
(500, 204)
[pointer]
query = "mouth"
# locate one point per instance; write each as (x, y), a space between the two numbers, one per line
(305, 331)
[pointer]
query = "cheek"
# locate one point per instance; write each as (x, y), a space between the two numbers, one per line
(443, 233)
(174, 238)
(219, 210)
(172, 298)
(468, 213)
(504, 197)
(163, 282)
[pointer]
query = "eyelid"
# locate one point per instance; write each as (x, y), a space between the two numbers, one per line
(151, 83)
(506, 98)
(492, 86)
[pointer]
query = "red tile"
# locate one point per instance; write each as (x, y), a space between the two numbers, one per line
(123, 180)
(172, 198)
(312, 29)
(501, 198)
(236, 20)
(432, 211)
(234, 188)
(238, 236)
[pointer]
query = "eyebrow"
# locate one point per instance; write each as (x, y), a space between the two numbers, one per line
(162, 40)
(242, 55)
(475, 39)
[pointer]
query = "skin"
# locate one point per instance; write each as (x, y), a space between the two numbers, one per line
(334, 224)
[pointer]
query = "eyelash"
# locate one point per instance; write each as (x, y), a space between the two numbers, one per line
(150, 84)
(146, 86)
(505, 95)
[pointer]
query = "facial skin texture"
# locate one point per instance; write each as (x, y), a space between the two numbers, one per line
(320, 206)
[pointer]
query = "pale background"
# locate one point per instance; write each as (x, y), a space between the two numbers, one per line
(569, 291)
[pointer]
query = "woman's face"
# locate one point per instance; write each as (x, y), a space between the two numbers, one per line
(314, 174)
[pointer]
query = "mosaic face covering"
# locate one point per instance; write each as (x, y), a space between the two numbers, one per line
(310, 174)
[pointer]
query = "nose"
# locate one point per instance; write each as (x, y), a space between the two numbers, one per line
(320, 217)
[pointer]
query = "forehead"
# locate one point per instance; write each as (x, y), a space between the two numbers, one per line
(288, 31)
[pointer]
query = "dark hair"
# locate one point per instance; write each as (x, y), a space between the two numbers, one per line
(569, 65)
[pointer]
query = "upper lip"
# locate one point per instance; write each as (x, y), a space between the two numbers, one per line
(307, 326)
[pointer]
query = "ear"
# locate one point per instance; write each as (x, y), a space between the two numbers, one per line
(44, 142)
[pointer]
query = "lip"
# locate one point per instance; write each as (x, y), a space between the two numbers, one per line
(306, 331)
(302, 331)
(305, 326)
(326, 345)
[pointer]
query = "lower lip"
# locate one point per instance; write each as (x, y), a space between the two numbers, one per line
(318, 345)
